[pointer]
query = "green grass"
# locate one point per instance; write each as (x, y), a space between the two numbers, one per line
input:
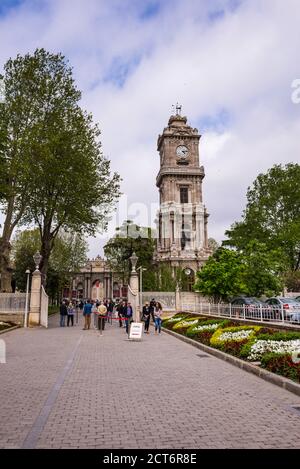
(53, 310)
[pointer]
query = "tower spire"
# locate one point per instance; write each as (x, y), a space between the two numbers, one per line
(177, 108)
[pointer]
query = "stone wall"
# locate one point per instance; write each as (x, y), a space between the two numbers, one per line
(16, 318)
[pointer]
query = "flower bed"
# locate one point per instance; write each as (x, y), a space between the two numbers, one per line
(185, 324)
(232, 339)
(263, 347)
(204, 330)
(5, 325)
(275, 349)
(282, 364)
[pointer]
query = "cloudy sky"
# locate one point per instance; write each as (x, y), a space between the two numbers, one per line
(230, 63)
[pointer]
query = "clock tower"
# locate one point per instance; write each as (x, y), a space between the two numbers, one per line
(182, 219)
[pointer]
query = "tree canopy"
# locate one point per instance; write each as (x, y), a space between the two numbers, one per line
(53, 172)
(68, 256)
(229, 273)
(272, 215)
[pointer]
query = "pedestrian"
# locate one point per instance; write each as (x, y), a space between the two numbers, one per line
(120, 308)
(157, 317)
(146, 317)
(87, 311)
(152, 308)
(102, 310)
(127, 313)
(110, 310)
(63, 311)
(70, 312)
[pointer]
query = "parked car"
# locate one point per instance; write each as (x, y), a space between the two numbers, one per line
(250, 305)
(295, 317)
(289, 306)
(297, 298)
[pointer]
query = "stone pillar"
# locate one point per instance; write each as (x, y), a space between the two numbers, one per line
(134, 286)
(35, 299)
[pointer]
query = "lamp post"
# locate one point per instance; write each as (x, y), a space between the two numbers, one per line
(27, 298)
(37, 260)
(141, 269)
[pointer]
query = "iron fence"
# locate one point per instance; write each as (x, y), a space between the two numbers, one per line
(261, 313)
(12, 302)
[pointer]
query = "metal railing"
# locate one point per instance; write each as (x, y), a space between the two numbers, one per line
(261, 313)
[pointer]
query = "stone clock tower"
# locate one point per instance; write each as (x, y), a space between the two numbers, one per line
(182, 218)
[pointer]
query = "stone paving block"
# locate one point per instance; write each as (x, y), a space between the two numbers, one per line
(119, 394)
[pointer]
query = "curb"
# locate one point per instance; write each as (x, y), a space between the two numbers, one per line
(10, 329)
(284, 383)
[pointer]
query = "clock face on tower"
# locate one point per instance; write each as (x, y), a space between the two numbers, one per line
(182, 151)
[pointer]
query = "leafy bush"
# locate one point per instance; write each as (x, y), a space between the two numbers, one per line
(282, 364)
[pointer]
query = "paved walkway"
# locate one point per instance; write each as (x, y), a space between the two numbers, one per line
(69, 388)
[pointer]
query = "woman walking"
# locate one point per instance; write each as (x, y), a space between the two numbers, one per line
(146, 317)
(102, 310)
(157, 317)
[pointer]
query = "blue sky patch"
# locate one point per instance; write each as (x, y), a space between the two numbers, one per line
(6, 5)
(218, 122)
(120, 70)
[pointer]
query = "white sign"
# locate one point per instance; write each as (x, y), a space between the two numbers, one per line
(136, 330)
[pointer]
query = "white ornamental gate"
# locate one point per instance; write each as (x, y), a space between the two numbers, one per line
(44, 308)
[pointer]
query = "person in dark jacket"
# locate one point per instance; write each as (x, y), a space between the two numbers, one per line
(87, 312)
(128, 314)
(152, 308)
(119, 309)
(146, 317)
(63, 311)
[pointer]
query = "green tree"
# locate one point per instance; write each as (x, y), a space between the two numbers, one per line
(213, 244)
(25, 244)
(272, 215)
(68, 256)
(262, 274)
(222, 276)
(131, 238)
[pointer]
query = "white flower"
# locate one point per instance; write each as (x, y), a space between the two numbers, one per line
(278, 346)
(236, 336)
(188, 323)
(174, 319)
(206, 327)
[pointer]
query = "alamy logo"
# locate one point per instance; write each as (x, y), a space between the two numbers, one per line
(2, 351)
(2, 91)
(295, 97)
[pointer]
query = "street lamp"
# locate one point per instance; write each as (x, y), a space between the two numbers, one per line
(27, 298)
(133, 259)
(37, 260)
(141, 269)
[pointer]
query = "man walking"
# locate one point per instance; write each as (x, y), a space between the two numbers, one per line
(128, 313)
(87, 311)
(63, 310)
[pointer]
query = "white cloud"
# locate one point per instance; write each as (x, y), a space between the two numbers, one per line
(242, 63)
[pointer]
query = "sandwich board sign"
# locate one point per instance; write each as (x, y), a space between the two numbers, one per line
(136, 331)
